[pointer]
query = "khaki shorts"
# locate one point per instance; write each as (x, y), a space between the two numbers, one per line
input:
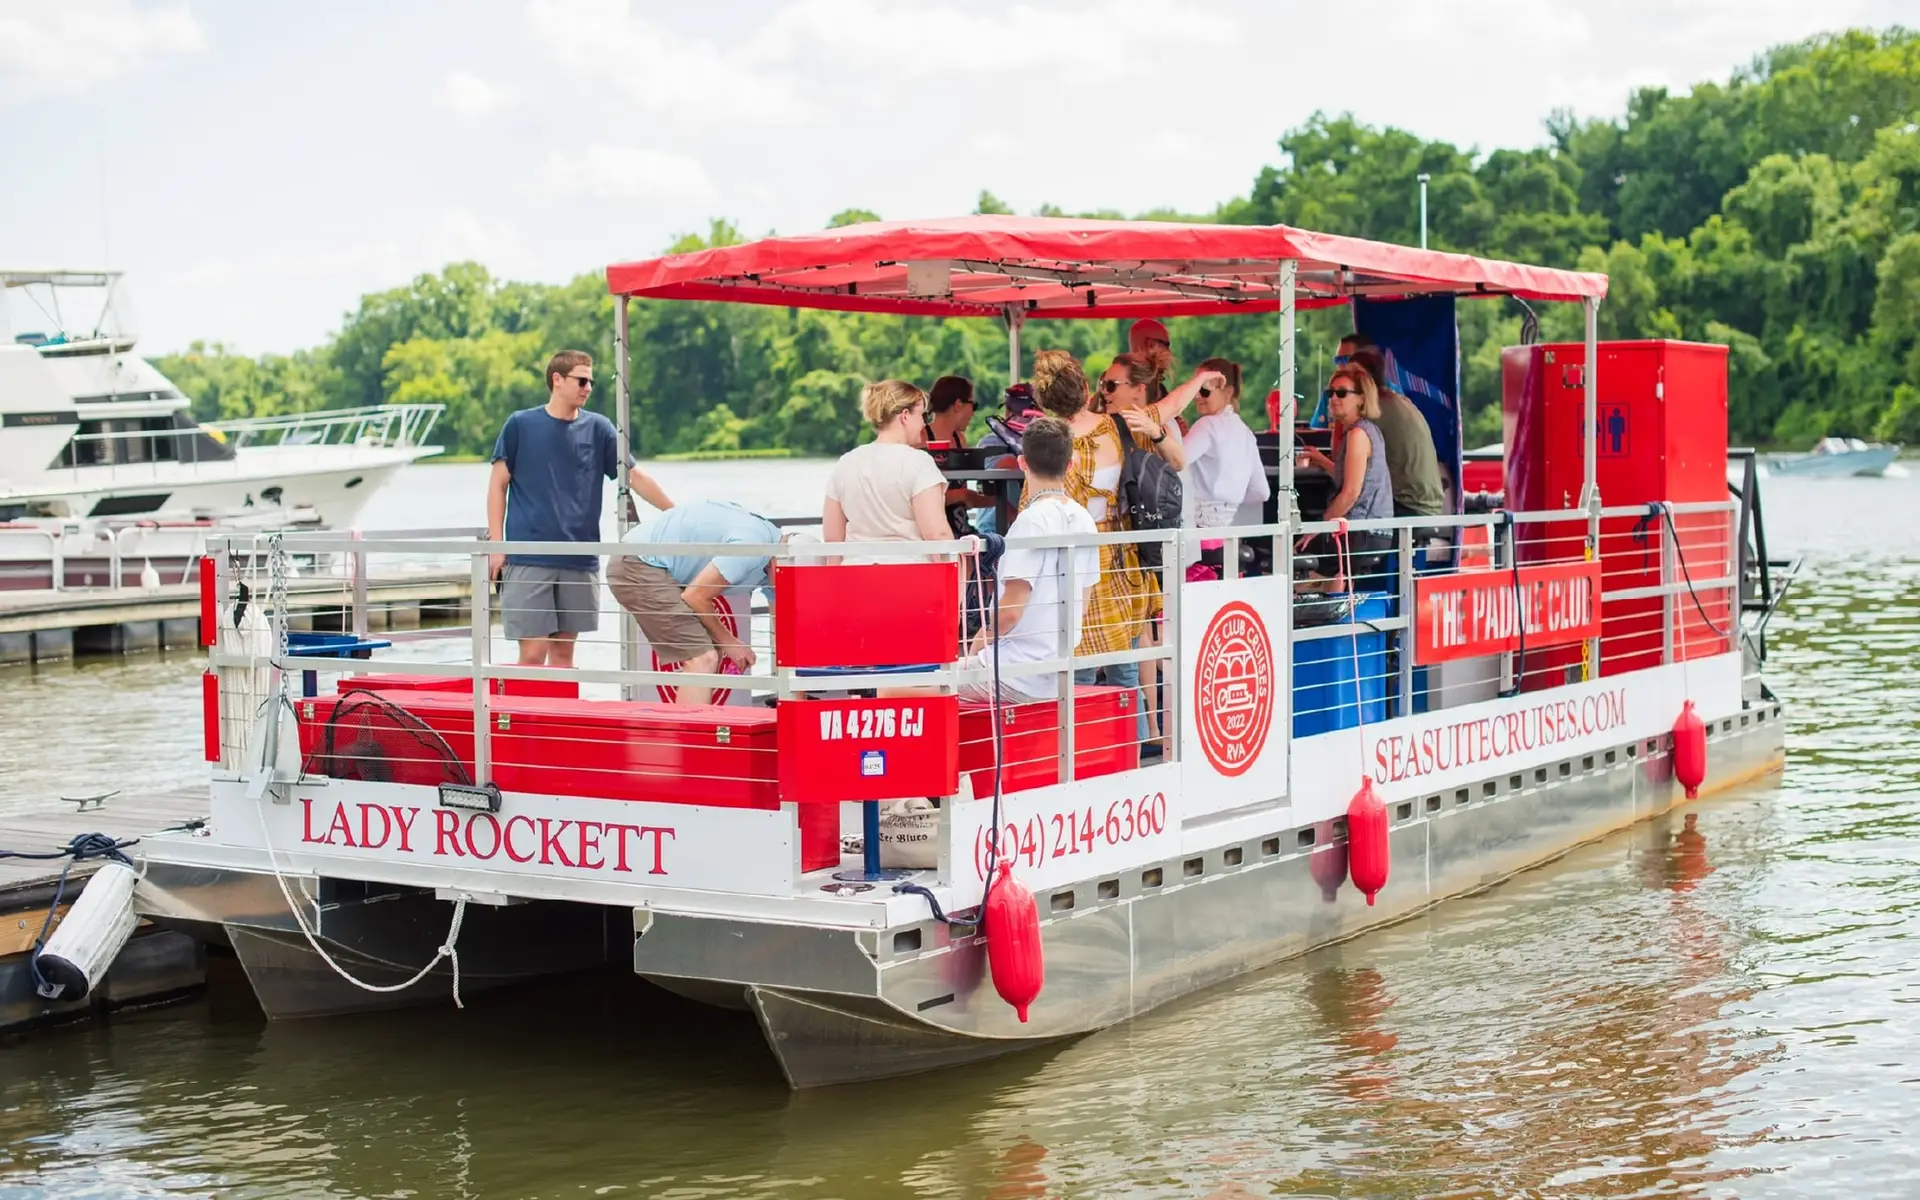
(653, 597)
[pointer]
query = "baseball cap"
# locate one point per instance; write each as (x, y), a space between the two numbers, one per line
(1148, 329)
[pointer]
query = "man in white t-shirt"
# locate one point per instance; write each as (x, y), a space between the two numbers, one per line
(1032, 580)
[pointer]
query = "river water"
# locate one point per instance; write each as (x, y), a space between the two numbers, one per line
(1705, 1005)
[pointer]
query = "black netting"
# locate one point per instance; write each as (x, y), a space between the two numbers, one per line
(369, 737)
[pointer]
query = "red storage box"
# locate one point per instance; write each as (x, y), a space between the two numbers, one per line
(1105, 739)
(369, 742)
(639, 750)
(556, 689)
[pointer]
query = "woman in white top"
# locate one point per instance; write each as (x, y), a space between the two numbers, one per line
(1223, 459)
(889, 489)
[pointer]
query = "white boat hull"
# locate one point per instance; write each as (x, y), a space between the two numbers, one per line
(842, 1005)
(334, 481)
(1852, 463)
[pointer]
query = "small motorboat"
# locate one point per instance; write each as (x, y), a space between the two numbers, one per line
(1837, 456)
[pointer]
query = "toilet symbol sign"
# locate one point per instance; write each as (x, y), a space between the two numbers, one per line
(1613, 430)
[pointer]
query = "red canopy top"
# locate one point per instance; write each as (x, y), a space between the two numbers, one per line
(1065, 267)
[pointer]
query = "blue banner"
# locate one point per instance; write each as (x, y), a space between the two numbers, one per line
(1421, 341)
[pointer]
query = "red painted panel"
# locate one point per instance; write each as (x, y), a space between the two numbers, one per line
(883, 749)
(209, 602)
(210, 714)
(868, 615)
(1469, 614)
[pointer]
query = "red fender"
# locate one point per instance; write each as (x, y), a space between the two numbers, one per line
(1690, 750)
(1011, 923)
(1367, 847)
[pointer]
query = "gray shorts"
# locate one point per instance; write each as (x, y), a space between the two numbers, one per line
(539, 602)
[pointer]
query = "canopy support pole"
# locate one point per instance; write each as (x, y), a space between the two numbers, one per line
(1014, 318)
(1290, 514)
(623, 494)
(1590, 470)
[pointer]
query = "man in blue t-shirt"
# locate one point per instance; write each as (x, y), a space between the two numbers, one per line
(672, 595)
(547, 466)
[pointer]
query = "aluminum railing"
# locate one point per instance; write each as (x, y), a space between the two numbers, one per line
(382, 425)
(1694, 575)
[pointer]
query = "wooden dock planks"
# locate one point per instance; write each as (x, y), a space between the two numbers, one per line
(50, 825)
(156, 966)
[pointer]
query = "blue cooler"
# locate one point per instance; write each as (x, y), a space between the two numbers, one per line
(1324, 696)
(302, 644)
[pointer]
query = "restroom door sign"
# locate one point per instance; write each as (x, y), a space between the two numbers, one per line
(1613, 431)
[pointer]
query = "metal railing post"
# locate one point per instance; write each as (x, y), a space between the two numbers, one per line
(1406, 607)
(357, 565)
(622, 495)
(1171, 555)
(1669, 571)
(1590, 471)
(1068, 686)
(482, 652)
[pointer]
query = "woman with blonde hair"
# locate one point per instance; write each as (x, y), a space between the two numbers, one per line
(889, 489)
(1133, 391)
(1126, 596)
(1363, 490)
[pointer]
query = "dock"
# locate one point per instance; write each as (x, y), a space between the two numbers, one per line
(44, 625)
(156, 965)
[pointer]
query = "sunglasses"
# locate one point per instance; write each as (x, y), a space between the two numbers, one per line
(1110, 386)
(1341, 393)
(585, 381)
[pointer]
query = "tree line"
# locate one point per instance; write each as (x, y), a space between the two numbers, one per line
(1777, 212)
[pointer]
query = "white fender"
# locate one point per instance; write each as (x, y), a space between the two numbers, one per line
(78, 954)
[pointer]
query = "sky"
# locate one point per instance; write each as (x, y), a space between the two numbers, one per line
(256, 167)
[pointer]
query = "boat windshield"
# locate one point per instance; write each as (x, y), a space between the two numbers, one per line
(52, 308)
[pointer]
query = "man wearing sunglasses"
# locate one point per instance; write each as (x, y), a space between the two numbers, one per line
(548, 463)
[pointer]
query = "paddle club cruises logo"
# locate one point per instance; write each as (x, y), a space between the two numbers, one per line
(1233, 688)
(668, 692)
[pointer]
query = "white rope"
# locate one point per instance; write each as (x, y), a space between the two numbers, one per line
(449, 949)
(1344, 552)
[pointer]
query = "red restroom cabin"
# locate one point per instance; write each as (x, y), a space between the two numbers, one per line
(1661, 435)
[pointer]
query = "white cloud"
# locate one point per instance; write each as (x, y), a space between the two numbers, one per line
(467, 95)
(920, 41)
(994, 143)
(70, 45)
(455, 236)
(627, 173)
(661, 72)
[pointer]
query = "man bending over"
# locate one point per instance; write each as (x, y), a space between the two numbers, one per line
(672, 596)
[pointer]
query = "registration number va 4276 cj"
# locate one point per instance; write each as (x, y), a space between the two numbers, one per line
(868, 724)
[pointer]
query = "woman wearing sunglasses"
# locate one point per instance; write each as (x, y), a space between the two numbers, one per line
(1226, 471)
(1126, 394)
(1363, 491)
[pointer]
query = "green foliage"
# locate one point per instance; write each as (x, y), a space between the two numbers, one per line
(1777, 213)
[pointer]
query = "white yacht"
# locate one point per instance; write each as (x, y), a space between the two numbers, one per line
(88, 429)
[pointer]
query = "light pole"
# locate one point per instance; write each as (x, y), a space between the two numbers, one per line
(1423, 177)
